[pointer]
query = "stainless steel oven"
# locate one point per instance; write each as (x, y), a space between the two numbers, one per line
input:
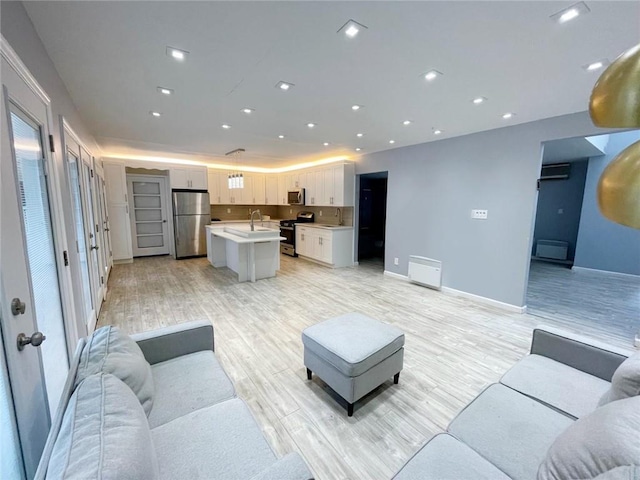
(288, 231)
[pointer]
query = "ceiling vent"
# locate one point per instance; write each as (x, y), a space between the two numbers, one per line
(556, 171)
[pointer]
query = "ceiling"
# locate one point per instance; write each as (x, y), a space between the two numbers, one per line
(571, 149)
(112, 57)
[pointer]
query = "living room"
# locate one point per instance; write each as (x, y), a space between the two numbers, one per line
(533, 88)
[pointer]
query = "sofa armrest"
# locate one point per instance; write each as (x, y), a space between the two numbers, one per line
(175, 341)
(582, 353)
(289, 467)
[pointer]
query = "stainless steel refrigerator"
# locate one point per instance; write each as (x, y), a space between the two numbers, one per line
(191, 212)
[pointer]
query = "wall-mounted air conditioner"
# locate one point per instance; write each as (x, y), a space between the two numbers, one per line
(556, 171)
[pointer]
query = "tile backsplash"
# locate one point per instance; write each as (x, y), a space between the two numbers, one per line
(243, 212)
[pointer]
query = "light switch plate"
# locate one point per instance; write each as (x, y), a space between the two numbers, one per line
(479, 214)
(395, 261)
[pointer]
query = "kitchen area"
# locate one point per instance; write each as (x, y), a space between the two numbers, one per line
(307, 214)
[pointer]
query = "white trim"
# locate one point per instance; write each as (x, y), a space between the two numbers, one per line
(10, 55)
(605, 272)
(485, 300)
(460, 293)
(397, 276)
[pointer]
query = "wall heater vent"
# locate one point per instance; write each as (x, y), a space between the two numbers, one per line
(425, 271)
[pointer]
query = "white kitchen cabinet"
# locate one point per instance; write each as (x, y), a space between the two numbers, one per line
(258, 190)
(338, 186)
(193, 178)
(115, 179)
(271, 186)
(282, 190)
(314, 188)
(330, 246)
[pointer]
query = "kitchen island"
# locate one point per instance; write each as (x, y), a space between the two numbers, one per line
(253, 255)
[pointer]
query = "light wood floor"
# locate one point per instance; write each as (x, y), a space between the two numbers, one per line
(454, 347)
(605, 303)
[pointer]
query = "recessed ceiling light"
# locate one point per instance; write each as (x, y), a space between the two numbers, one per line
(570, 12)
(407, 122)
(356, 107)
(311, 125)
(359, 134)
(392, 141)
(248, 110)
(591, 67)
(508, 115)
(437, 132)
(280, 137)
(176, 53)
(284, 85)
(326, 144)
(432, 75)
(479, 100)
(226, 126)
(155, 114)
(352, 28)
(165, 91)
(358, 149)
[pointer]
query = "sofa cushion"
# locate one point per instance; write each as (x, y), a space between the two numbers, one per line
(444, 457)
(509, 429)
(353, 343)
(625, 382)
(556, 384)
(218, 442)
(601, 441)
(104, 434)
(110, 351)
(187, 383)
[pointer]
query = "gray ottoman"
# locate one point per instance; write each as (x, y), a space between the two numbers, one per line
(353, 354)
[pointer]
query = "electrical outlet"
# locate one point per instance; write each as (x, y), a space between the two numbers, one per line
(395, 261)
(479, 214)
(228, 210)
(320, 212)
(291, 210)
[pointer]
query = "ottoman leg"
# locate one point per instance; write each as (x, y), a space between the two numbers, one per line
(349, 409)
(396, 378)
(308, 374)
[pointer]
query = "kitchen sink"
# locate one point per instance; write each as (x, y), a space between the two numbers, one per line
(258, 232)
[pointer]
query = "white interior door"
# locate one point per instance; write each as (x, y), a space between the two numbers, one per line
(82, 281)
(105, 229)
(149, 213)
(29, 279)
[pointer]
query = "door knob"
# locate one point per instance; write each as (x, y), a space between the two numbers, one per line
(17, 306)
(35, 340)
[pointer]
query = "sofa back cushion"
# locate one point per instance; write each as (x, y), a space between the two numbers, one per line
(625, 382)
(605, 439)
(104, 434)
(110, 351)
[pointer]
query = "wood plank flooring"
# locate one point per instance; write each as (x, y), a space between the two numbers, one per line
(605, 303)
(454, 348)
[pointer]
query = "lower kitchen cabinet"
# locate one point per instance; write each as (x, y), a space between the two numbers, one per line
(331, 246)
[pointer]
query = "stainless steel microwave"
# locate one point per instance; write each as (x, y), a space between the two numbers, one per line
(295, 197)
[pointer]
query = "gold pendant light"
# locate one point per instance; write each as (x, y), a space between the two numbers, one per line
(619, 188)
(615, 102)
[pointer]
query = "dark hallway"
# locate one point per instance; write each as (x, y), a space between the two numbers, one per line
(372, 216)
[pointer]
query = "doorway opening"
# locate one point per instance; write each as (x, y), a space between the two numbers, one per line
(585, 269)
(372, 218)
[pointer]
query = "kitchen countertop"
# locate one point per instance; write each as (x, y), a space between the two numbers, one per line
(217, 222)
(239, 239)
(325, 226)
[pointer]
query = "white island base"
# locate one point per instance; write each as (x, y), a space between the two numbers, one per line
(252, 258)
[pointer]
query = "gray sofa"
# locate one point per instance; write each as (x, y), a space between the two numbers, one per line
(555, 415)
(157, 405)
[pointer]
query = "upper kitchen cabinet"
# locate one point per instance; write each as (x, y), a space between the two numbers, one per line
(331, 186)
(218, 183)
(193, 178)
(272, 191)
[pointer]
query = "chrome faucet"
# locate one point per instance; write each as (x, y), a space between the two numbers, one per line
(258, 212)
(339, 215)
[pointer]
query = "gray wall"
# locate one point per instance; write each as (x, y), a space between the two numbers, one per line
(565, 195)
(602, 244)
(433, 187)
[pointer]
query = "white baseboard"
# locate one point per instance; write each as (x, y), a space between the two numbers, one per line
(123, 261)
(397, 276)
(485, 300)
(606, 272)
(471, 296)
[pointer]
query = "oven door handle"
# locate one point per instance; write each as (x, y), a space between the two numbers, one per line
(286, 228)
